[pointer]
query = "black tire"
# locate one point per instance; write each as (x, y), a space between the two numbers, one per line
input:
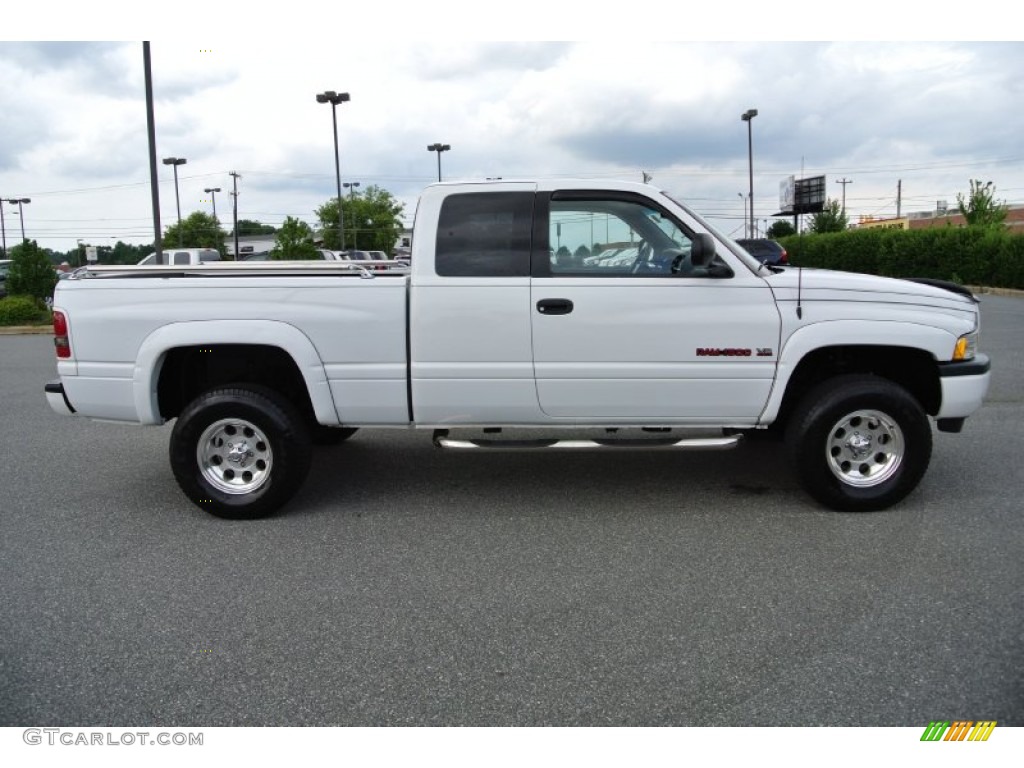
(859, 443)
(323, 435)
(247, 478)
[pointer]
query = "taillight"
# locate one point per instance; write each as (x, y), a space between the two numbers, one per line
(784, 259)
(61, 342)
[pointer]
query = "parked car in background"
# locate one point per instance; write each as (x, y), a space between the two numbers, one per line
(5, 267)
(182, 256)
(322, 254)
(377, 257)
(766, 251)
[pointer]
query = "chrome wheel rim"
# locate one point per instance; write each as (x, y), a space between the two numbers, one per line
(234, 456)
(865, 448)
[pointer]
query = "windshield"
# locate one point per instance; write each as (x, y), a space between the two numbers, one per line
(753, 264)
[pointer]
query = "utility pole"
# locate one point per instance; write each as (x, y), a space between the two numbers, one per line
(154, 182)
(234, 200)
(844, 181)
(899, 196)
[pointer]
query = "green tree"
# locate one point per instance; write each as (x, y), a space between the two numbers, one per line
(31, 272)
(981, 208)
(294, 241)
(199, 230)
(781, 229)
(371, 221)
(248, 227)
(831, 219)
(123, 253)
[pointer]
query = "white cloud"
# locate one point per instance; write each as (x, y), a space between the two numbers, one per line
(931, 115)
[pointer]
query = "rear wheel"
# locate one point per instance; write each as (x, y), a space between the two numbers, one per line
(859, 443)
(240, 453)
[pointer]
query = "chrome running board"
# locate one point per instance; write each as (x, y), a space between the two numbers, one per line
(442, 440)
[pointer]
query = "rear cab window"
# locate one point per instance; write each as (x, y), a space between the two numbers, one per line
(485, 234)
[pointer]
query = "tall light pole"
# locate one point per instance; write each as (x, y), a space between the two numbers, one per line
(439, 148)
(212, 191)
(351, 187)
(748, 118)
(176, 161)
(234, 206)
(334, 99)
(21, 215)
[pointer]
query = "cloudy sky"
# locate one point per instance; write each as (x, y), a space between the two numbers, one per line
(929, 114)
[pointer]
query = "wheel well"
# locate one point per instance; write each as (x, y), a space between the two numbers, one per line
(187, 372)
(913, 369)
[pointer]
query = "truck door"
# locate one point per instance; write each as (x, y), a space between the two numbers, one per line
(630, 324)
(470, 333)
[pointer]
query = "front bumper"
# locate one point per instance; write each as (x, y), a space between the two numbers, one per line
(58, 399)
(964, 386)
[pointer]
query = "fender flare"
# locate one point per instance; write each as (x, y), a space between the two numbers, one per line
(153, 351)
(846, 333)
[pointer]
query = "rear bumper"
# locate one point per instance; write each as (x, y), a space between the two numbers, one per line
(58, 399)
(964, 386)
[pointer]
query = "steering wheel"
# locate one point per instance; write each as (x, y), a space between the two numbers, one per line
(642, 255)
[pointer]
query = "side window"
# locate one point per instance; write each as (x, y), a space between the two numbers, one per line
(615, 237)
(181, 257)
(485, 235)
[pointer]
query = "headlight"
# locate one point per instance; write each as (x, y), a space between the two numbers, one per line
(966, 346)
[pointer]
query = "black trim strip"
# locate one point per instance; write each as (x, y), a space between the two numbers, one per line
(408, 348)
(976, 367)
(540, 262)
(57, 388)
(945, 285)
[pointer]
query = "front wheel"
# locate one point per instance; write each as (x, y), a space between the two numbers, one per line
(240, 453)
(859, 443)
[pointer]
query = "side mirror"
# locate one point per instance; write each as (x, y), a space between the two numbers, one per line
(703, 250)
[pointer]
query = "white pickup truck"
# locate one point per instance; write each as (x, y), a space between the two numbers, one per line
(590, 311)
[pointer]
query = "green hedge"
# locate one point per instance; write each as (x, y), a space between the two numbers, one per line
(969, 255)
(22, 310)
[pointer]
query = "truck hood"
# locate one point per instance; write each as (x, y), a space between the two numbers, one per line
(814, 285)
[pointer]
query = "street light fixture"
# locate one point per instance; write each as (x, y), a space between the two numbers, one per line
(21, 215)
(212, 191)
(439, 148)
(351, 187)
(334, 99)
(748, 118)
(176, 161)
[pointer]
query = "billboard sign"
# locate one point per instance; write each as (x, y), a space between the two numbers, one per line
(802, 195)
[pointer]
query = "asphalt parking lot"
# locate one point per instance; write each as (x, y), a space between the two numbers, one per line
(406, 586)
